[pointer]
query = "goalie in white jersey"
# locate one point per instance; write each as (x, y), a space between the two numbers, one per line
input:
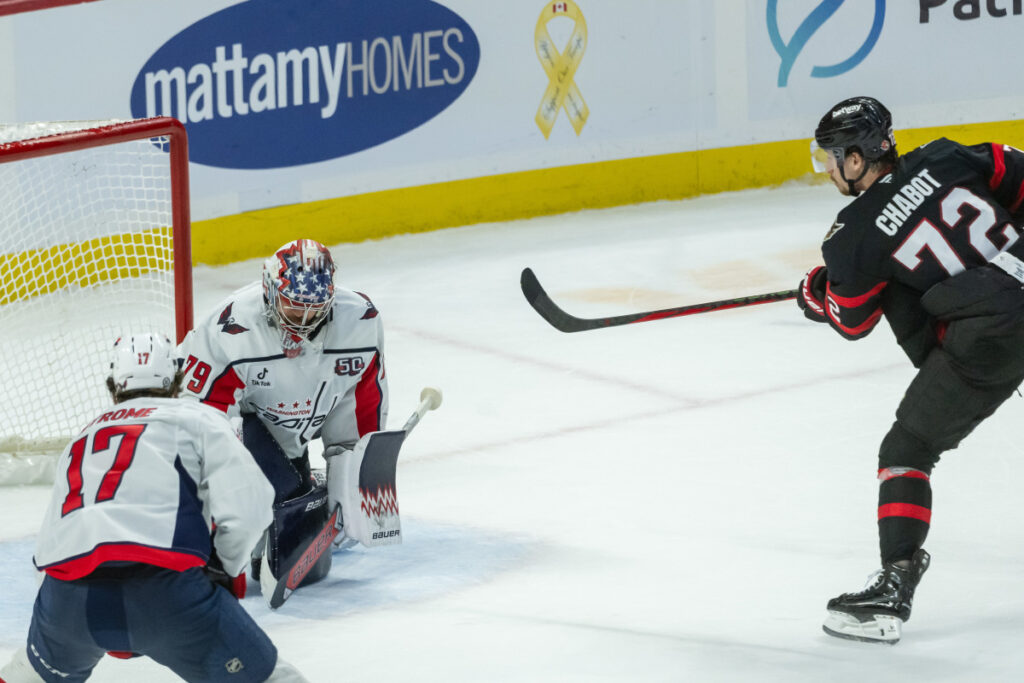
(297, 358)
(126, 539)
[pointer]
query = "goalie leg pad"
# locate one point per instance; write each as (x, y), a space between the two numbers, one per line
(296, 523)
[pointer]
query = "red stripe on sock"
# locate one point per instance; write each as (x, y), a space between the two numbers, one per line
(893, 472)
(905, 510)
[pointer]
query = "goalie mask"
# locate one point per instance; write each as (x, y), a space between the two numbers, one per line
(142, 362)
(298, 289)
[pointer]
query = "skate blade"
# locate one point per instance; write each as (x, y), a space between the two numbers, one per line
(876, 628)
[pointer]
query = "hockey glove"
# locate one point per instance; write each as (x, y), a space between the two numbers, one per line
(215, 573)
(811, 294)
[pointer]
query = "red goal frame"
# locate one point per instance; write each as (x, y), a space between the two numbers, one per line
(16, 6)
(181, 230)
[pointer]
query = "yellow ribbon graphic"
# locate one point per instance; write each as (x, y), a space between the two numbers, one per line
(560, 67)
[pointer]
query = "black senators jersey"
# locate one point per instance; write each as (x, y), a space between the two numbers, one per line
(943, 209)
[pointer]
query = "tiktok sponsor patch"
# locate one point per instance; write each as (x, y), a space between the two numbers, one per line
(261, 377)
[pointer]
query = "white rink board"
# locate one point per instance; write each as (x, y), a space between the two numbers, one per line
(658, 76)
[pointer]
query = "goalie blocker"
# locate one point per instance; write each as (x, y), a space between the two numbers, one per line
(359, 502)
(362, 483)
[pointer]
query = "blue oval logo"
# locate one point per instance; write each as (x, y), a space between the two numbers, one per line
(266, 84)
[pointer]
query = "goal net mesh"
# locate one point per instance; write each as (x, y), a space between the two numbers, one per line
(86, 255)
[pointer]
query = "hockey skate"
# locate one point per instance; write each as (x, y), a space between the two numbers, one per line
(876, 614)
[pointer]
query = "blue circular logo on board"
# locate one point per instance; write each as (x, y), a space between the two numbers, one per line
(269, 84)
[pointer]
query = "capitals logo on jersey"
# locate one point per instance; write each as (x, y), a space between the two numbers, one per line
(227, 322)
(371, 310)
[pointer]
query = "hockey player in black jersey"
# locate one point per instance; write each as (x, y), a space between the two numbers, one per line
(930, 242)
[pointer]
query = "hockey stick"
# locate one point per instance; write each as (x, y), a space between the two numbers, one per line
(281, 589)
(565, 322)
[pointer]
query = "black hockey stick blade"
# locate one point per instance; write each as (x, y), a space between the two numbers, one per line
(560, 320)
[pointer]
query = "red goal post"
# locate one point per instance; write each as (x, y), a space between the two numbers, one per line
(17, 6)
(94, 243)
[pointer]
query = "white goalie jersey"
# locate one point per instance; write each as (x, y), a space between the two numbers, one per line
(335, 389)
(142, 482)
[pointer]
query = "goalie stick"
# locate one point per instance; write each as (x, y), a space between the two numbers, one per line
(559, 319)
(292, 574)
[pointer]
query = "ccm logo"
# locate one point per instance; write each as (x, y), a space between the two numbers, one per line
(386, 534)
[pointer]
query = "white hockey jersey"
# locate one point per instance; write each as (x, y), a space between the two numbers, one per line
(141, 483)
(335, 389)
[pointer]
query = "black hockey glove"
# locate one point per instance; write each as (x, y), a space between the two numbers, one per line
(214, 571)
(811, 294)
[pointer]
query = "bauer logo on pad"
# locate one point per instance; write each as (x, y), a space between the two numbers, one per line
(270, 84)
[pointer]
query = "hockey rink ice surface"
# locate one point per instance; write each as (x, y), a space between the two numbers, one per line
(667, 501)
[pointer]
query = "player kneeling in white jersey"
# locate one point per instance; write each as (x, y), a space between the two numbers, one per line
(126, 538)
(296, 358)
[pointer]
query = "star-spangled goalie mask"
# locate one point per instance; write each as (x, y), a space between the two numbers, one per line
(298, 289)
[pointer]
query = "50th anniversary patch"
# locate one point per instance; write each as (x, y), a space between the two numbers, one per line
(268, 84)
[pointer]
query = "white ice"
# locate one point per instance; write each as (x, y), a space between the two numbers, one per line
(667, 501)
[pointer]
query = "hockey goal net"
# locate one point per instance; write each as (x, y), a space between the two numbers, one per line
(94, 244)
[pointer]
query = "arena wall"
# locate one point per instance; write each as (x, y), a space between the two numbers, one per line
(346, 120)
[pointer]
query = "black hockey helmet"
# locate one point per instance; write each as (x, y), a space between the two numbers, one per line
(858, 123)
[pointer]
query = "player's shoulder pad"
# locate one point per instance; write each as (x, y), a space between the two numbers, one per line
(942, 151)
(848, 220)
(200, 412)
(836, 226)
(238, 313)
(845, 240)
(941, 144)
(353, 305)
